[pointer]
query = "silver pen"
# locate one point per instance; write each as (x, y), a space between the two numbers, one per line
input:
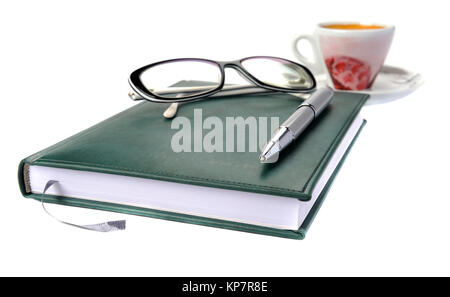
(296, 124)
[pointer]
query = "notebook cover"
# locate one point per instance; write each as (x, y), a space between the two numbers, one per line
(136, 142)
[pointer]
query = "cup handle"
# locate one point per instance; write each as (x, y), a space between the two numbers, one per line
(313, 63)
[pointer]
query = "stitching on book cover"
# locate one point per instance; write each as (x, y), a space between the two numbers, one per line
(168, 175)
(347, 124)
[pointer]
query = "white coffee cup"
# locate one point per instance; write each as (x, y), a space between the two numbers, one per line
(349, 54)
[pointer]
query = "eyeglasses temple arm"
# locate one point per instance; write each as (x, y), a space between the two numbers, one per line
(227, 90)
(171, 111)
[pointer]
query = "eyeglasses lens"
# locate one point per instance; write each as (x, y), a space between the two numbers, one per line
(278, 73)
(167, 79)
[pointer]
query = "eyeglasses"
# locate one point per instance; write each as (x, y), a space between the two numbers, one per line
(190, 79)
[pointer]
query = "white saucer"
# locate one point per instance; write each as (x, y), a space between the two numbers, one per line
(392, 83)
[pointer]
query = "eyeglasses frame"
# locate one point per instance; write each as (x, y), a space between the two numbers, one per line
(146, 94)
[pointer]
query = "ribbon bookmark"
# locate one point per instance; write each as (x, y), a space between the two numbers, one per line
(102, 227)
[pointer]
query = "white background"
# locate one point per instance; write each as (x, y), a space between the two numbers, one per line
(64, 67)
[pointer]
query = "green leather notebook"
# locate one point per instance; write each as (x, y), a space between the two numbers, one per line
(127, 164)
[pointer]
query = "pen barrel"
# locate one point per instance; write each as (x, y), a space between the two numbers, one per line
(308, 111)
(319, 99)
(299, 120)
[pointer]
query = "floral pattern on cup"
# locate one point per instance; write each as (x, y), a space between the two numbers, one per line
(349, 73)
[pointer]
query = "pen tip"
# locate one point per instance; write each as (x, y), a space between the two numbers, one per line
(270, 152)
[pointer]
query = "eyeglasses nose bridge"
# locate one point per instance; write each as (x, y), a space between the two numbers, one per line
(237, 66)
